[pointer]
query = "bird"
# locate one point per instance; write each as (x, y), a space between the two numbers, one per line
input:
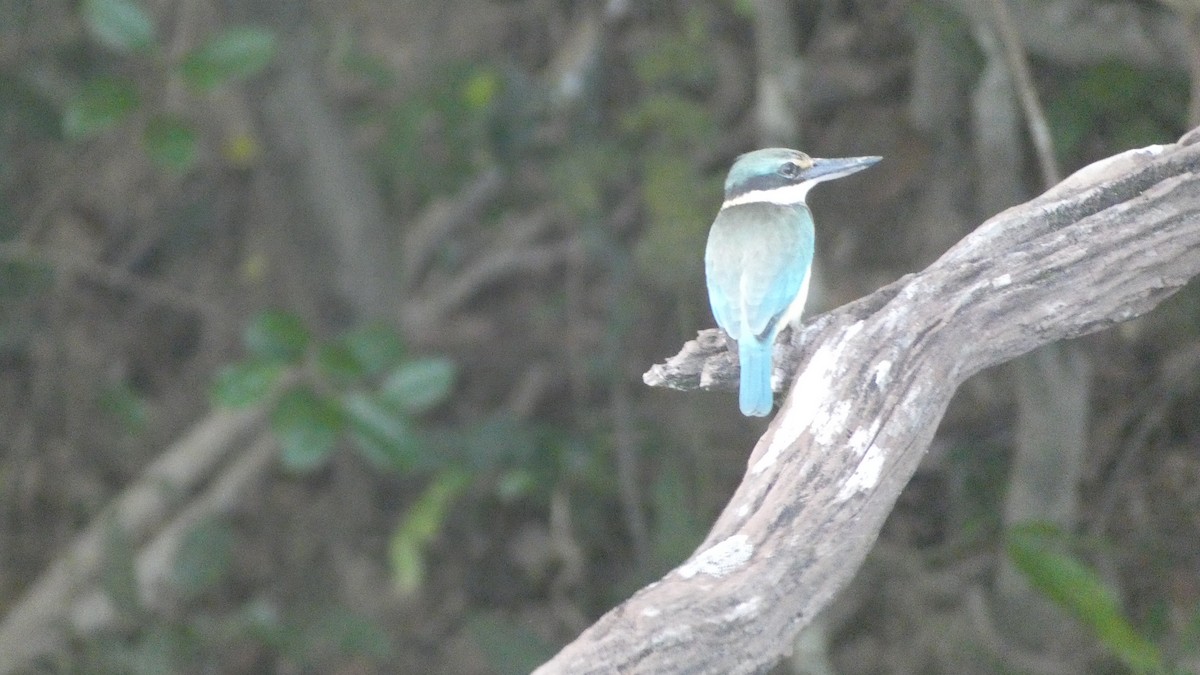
(758, 258)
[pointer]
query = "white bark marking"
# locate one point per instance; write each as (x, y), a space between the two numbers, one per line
(720, 559)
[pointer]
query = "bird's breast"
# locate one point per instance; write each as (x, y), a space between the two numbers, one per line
(756, 260)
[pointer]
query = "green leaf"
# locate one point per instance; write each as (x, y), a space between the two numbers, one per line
(307, 427)
(1081, 592)
(236, 53)
(118, 577)
(241, 384)
(419, 526)
(103, 103)
(277, 335)
(202, 561)
(337, 362)
(408, 565)
(171, 143)
(375, 348)
(119, 24)
(417, 386)
(384, 437)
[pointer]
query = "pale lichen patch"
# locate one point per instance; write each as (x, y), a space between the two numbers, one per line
(866, 475)
(743, 609)
(883, 373)
(808, 393)
(720, 559)
(861, 439)
(671, 634)
(827, 428)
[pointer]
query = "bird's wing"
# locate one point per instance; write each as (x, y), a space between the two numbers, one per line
(756, 260)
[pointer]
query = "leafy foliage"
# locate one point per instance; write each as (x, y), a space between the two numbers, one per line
(359, 384)
(419, 526)
(278, 336)
(250, 382)
(369, 350)
(234, 54)
(676, 122)
(102, 104)
(171, 142)
(434, 137)
(1037, 549)
(384, 438)
(106, 101)
(307, 427)
(119, 24)
(1129, 107)
(363, 386)
(418, 385)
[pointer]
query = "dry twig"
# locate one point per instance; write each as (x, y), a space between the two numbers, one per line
(1018, 66)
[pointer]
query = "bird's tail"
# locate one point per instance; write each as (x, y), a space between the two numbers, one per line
(754, 395)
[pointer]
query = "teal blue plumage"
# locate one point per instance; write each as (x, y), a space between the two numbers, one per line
(755, 397)
(759, 256)
(756, 264)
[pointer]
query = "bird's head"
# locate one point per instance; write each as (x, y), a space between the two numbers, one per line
(783, 176)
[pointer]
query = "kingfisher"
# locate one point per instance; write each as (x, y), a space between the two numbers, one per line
(759, 256)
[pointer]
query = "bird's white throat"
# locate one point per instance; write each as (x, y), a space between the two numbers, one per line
(782, 196)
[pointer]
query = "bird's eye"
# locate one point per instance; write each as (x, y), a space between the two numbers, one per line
(789, 170)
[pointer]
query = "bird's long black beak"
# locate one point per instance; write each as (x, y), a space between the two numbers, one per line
(828, 169)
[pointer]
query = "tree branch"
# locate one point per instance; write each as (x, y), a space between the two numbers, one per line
(33, 625)
(873, 380)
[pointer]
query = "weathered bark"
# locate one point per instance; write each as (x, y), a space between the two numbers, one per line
(873, 379)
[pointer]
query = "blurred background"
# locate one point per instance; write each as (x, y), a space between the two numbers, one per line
(322, 327)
